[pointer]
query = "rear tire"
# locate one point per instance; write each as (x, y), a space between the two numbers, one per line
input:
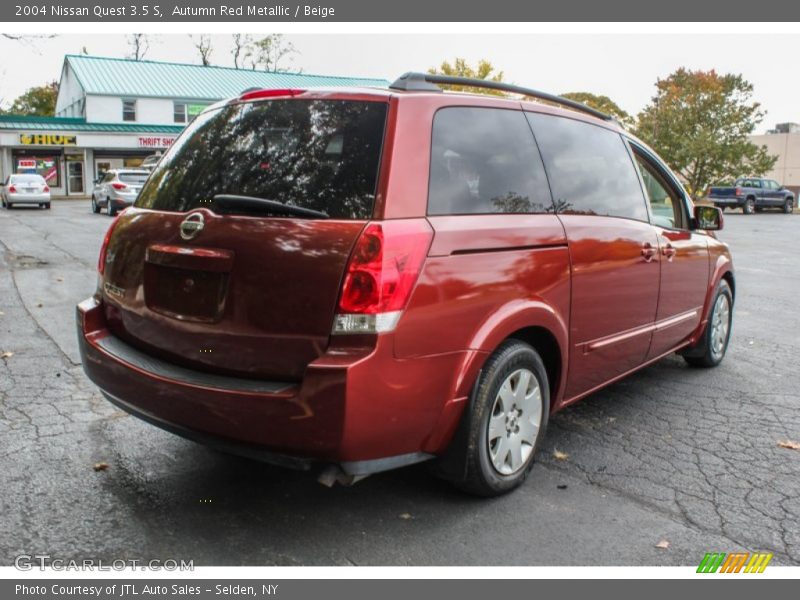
(47, 206)
(788, 206)
(505, 422)
(749, 206)
(712, 347)
(109, 208)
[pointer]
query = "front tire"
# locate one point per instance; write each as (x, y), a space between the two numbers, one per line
(788, 206)
(749, 206)
(710, 351)
(506, 421)
(95, 207)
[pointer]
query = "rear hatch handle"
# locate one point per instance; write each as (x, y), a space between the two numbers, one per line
(232, 203)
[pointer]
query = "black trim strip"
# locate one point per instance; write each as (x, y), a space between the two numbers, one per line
(130, 355)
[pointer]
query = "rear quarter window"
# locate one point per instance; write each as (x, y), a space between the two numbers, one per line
(318, 154)
(589, 168)
(483, 161)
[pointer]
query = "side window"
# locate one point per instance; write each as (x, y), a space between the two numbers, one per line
(665, 204)
(589, 167)
(485, 160)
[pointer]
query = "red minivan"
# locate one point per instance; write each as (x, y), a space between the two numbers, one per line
(369, 278)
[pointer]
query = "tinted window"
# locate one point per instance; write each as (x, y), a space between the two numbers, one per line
(133, 177)
(320, 154)
(484, 160)
(589, 168)
(664, 203)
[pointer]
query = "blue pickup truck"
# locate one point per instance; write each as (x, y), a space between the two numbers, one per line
(752, 194)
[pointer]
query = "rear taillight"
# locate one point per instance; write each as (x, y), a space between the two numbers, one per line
(46, 189)
(101, 260)
(12, 189)
(381, 274)
(119, 186)
(738, 191)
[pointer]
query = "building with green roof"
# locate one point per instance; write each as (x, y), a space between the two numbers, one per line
(113, 112)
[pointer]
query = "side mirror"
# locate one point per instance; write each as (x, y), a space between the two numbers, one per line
(708, 218)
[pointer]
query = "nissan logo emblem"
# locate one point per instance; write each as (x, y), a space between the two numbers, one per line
(192, 225)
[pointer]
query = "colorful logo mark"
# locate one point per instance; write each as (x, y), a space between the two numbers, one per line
(735, 562)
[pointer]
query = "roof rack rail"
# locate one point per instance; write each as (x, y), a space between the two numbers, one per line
(426, 82)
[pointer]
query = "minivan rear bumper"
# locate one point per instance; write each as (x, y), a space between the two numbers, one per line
(342, 411)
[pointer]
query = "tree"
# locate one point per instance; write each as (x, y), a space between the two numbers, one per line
(242, 49)
(139, 44)
(603, 104)
(460, 68)
(269, 52)
(38, 101)
(699, 121)
(203, 45)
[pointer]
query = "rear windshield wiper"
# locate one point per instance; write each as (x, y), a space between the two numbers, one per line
(231, 203)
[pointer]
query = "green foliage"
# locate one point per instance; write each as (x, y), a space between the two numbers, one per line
(460, 68)
(699, 122)
(603, 104)
(39, 101)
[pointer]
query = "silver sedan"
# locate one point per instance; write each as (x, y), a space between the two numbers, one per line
(25, 188)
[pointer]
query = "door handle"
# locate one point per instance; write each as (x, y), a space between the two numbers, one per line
(669, 251)
(648, 252)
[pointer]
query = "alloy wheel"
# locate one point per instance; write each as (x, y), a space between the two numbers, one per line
(514, 422)
(720, 325)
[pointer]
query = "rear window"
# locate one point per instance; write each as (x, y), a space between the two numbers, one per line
(133, 177)
(317, 154)
(27, 179)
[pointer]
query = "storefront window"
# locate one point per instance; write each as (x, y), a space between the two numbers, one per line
(45, 165)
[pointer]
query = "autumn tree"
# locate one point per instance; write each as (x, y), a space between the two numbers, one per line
(603, 104)
(460, 68)
(39, 101)
(271, 53)
(699, 121)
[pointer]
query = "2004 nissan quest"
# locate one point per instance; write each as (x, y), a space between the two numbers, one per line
(366, 278)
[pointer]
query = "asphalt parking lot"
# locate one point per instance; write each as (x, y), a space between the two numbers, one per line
(675, 457)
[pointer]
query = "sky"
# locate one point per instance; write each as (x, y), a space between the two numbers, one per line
(624, 67)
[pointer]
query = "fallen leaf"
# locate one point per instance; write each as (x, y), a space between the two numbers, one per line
(562, 486)
(663, 544)
(59, 279)
(406, 516)
(39, 305)
(101, 466)
(6, 354)
(1, 313)
(559, 455)
(789, 444)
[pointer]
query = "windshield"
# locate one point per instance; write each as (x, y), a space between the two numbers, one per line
(317, 154)
(133, 177)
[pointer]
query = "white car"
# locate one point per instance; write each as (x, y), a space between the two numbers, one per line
(117, 189)
(25, 188)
